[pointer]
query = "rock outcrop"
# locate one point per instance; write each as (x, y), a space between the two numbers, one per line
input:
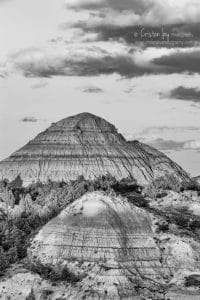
(86, 145)
(105, 241)
(160, 163)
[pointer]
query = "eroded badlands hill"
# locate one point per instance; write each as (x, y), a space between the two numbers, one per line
(86, 145)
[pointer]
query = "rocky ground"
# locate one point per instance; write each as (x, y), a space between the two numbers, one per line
(175, 219)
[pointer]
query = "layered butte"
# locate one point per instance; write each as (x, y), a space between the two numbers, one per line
(105, 241)
(90, 146)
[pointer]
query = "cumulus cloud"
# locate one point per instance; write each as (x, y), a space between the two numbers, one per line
(101, 57)
(91, 60)
(38, 62)
(183, 93)
(29, 120)
(134, 12)
(179, 61)
(116, 19)
(104, 42)
(169, 36)
(120, 20)
(138, 6)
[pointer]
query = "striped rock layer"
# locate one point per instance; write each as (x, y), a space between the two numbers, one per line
(104, 239)
(86, 145)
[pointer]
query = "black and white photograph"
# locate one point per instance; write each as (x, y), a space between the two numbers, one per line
(99, 149)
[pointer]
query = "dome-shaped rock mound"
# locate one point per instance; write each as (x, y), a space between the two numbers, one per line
(85, 145)
(104, 238)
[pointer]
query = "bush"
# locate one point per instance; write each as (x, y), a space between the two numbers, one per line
(189, 186)
(137, 200)
(61, 273)
(162, 226)
(4, 263)
(16, 187)
(169, 182)
(182, 218)
(192, 280)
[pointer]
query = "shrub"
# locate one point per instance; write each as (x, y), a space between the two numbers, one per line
(61, 273)
(168, 182)
(192, 280)
(162, 226)
(189, 186)
(3, 261)
(137, 200)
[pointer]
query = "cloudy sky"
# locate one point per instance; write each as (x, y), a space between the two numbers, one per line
(134, 62)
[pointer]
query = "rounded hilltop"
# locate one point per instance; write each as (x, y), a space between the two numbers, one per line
(103, 241)
(85, 122)
(89, 146)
